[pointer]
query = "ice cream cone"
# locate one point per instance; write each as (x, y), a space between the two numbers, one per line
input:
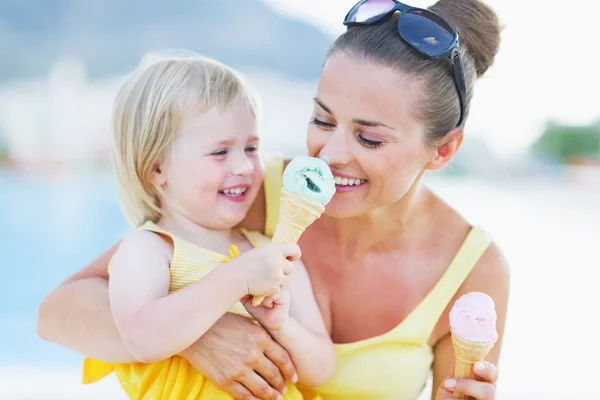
(473, 327)
(467, 353)
(296, 213)
(308, 185)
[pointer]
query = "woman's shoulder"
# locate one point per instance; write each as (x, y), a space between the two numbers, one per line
(491, 272)
(261, 214)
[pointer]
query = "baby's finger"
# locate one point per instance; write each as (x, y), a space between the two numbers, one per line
(259, 300)
(291, 251)
(486, 372)
(269, 301)
(288, 268)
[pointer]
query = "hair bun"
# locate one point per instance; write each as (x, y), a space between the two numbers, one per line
(478, 28)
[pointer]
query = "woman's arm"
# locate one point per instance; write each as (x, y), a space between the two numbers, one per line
(491, 276)
(77, 314)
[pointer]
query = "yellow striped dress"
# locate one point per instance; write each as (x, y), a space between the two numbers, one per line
(175, 378)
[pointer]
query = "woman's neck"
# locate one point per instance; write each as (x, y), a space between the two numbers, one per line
(183, 227)
(385, 227)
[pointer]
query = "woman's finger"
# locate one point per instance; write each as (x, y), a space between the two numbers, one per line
(470, 387)
(486, 371)
(443, 394)
(239, 391)
(259, 387)
(284, 370)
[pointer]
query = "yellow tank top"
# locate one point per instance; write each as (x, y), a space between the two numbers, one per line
(396, 364)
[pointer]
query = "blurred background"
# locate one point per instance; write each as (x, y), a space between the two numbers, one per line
(528, 171)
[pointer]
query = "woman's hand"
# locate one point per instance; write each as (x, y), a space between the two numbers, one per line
(482, 387)
(242, 359)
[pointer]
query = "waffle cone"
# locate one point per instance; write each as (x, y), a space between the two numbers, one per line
(466, 354)
(296, 213)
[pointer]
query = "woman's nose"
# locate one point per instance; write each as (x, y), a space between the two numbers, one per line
(336, 150)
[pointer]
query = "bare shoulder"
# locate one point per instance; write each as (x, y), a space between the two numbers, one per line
(491, 274)
(257, 214)
(146, 243)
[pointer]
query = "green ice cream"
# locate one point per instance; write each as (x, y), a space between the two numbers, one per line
(311, 178)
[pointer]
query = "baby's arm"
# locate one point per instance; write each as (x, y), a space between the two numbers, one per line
(154, 324)
(305, 336)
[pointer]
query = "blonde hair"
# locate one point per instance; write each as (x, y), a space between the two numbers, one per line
(147, 114)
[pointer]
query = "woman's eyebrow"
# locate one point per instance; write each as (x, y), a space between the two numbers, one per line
(364, 122)
(357, 121)
(323, 106)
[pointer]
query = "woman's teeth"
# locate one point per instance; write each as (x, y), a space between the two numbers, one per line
(348, 182)
(234, 191)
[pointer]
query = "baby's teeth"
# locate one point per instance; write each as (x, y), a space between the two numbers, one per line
(234, 191)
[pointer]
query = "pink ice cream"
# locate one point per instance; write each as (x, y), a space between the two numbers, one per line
(473, 318)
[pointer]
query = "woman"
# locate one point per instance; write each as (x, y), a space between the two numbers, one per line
(389, 257)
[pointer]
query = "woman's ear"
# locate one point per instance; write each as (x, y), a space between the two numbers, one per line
(445, 151)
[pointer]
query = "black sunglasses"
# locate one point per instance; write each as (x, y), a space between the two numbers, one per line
(425, 31)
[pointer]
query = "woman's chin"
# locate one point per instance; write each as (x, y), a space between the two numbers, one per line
(342, 209)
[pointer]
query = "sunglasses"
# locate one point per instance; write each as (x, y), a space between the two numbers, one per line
(423, 30)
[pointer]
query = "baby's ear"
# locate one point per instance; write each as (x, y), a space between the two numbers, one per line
(159, 177)
(446, 150)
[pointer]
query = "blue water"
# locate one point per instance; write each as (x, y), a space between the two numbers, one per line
(49, 228)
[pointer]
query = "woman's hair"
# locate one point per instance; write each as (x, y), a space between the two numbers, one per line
(479, 32)
(147, 114)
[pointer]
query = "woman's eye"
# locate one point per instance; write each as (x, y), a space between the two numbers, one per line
(219, 153)
(251, 149)
(369, 143)
(323, 124)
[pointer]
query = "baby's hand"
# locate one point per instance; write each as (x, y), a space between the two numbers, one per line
(262, 271)
(274, 311)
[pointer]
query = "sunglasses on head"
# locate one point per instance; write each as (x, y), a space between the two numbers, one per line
(423, 30)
